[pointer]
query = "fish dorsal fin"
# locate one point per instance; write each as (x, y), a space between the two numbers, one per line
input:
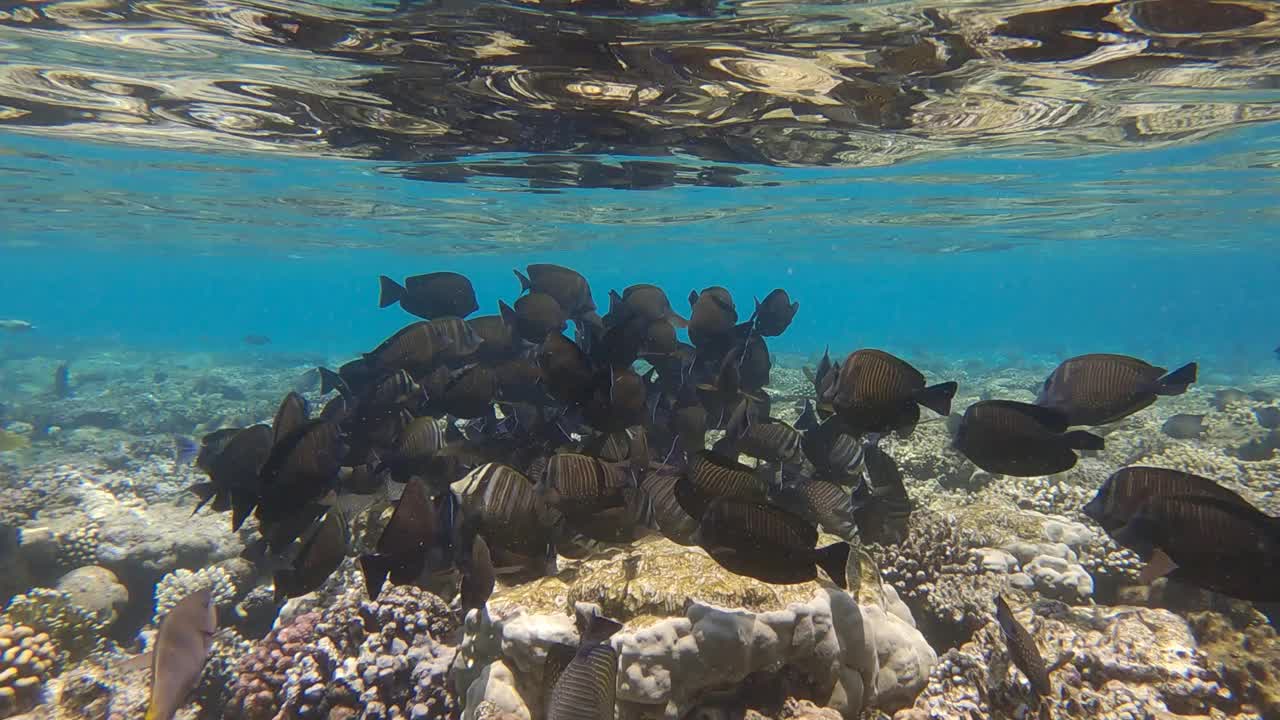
(1052, 419)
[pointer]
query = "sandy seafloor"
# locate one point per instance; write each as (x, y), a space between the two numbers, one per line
(97, 538)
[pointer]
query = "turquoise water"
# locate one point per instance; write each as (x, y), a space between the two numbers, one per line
(1167, 253)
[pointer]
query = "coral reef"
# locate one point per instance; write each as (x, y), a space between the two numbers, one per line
(27, 659)
(76, 632)
(1115, 662)
(78, 547)
(1245, 654)
(180, 583)
(377, 659)
(95, 589)
(935, 545)
(691, 627)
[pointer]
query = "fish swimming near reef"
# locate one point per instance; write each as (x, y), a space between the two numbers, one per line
(16, 326)
(876, 392)
(430, 296)
(62, 381)
(1184, 426)
(583, 682)
(258, 340)
(1126, 490)
(478, 576)
(401, 553)
(1022, 649)
(1192, 529)
(181, 649)
(1268, 417)
(1208, 542)
(1020, 439)
(1100, 389)
(322, 552)
(1224, 398)
(765, 542)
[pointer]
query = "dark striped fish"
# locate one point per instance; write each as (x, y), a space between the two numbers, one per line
(437, 294)
(416, 348)
(822, 503)
(831, 450)
(469, 394)
(497, 338)
(456, 340)
(302, 467)
(671, 519)
(765, 542)
(323, 551)
(212, 445)
(234, 474)
(580, 484)
(1023, 650)
(566, 370)
(506, 508)
(1213, 543)
(535, 316)
(773, 316)
(1122, 494)
(1014, 438)
(1100, 389)
(402, 550)
(389, 392)
(712, 475)
(712, 318)
(478, 576)
(823, 377)
(876, 392)
(585, 689)
(291, 415)
(568, 287)
(773, 441)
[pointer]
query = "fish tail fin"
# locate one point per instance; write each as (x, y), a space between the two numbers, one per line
(185, 450)
(204, 491)
(1081, 440)
(525, 285)
(1176, 382)
(599, 629)
(242, 503)
(833, 559)
(938, 397)
(389, 291)
(376, 568)
(330, 381)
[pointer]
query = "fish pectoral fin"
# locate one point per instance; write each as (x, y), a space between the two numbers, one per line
(1159, 566)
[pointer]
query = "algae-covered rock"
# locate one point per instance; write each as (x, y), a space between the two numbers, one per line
(1114, 662)
(692, 628)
